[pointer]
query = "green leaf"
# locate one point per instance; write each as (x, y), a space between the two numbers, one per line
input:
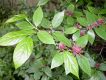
(13, 38)
(91, 60)
(91, 18)
(48, 71)
(93, 10)
(38, 16)
(16, 18)
(84, 64)
(42, 2)
(82, 21)
(91, 36)
(82, 41)
(61, 37)
(24, 25)
(70, 64)
(57, 20)
(102, 67)
(57, 60)
(71, 30)
(70, 21)
(101, 32)
(71, 7)
(45, 37)
(76, 35)
(22, 52)
(45, 23)
(98, 76)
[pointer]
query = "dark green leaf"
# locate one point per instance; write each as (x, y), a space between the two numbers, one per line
(45, 37)
(84, 64)
(47, 71)
(22, 52)
(38, 16)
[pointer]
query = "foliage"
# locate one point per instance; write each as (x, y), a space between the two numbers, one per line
(53, 44)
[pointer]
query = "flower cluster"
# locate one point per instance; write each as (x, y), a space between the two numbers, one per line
(96, 24)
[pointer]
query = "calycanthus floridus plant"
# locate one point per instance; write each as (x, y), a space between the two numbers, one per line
(70, 42)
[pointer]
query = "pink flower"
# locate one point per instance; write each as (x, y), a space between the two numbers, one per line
(61, 46)
(76, 49)
(100, 21)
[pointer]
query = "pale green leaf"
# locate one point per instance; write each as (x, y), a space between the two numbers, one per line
(57, 20)
(70, 64)
(24, 25)
(45, 37)
(22, 52)
(42, 2)
(102, 67)
(101, 32)
(82, 41)
(57, 60)
(84, 64)
(71, 30)
(91, 36)
(38, 16)
(16, 18)
(13, 38)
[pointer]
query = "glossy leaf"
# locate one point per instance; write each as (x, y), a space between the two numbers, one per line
(16, 18)
(45, 37)
(24, 25)
(84, 64)
(101, 32)
(82, 41)
(76, 35)
(42, 2)
(57, 60)
(61, 37)
(38, 16)
(13, 38)
(91, 36)
(57, 20)
(22, 52)
(70, 64)
(71, 30)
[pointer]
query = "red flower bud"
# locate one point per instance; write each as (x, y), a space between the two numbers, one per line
(97, 65)
(100, 21)
(95, 24)
(69, 13)
(61, 46)
(76, 49)
(78, 26)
